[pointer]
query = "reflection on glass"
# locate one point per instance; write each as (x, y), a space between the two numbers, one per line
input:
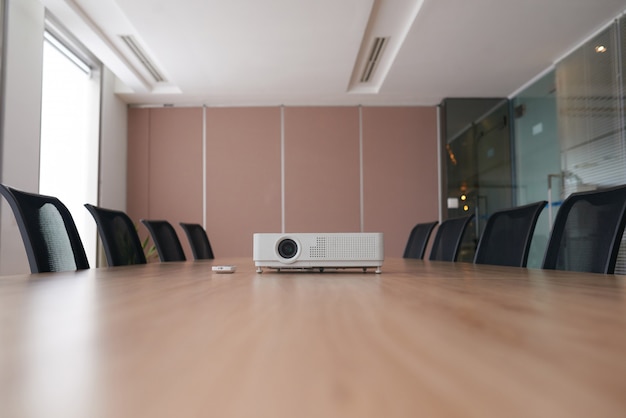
(537, 157)
(478, 164)
(591, 116)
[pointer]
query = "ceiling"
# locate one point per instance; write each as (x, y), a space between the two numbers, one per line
(313, 52)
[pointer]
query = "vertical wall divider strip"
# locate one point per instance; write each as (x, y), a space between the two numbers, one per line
(361, 185)
(439, 165)
(149, 215)
(621, 61)
(204, 167)
(282, 168)
(3, 54)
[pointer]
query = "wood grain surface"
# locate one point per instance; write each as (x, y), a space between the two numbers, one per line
(422, 339)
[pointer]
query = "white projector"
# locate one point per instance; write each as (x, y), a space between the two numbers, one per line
(318, 251)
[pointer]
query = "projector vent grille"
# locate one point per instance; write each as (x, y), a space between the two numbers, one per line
(344, 248)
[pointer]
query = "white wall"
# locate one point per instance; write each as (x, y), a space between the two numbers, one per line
(22, 120)
(113, 133)
(22, 107)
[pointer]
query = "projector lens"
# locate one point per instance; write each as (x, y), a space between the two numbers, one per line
(287, 248)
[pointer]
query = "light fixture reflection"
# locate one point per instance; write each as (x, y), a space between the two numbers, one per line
(600, 49)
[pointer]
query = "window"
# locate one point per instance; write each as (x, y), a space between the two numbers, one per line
(70, 130)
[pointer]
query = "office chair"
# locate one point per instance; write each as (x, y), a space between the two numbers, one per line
(48, 231)
(165, 239)
(448, 238)
(418, 240)
(118, 234)
(507, 236)
(198, 240)
(587, 232)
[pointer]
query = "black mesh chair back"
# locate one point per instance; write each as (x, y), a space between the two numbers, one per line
(587, 232)
(48, 231)
(118, 234)
(507, 236)
(199, 241)
(418, 240)
(448, 238)
(165, 240)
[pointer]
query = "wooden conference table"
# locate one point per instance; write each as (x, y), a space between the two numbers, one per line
(422, 339)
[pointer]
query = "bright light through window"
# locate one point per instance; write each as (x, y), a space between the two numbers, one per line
(69, 140)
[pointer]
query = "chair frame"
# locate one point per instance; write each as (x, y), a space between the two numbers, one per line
(188, 228)
(554, 243)
(457, 245)
(429, 227)
(150, 224)
(37, 263)
(535, 210)
(108, 240)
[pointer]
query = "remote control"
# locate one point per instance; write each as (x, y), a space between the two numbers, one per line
(224, 269)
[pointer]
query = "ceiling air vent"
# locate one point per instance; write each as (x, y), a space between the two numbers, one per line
(143, 58)
(373, 58)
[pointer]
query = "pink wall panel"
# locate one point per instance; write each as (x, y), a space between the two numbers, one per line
(138, 163)
(399, 171)
(175, 189)
(243, 177)
(322, 169)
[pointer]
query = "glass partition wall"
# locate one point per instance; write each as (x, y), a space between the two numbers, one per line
(538, 157)
(590, 103)
(564, 133)
(478, 162)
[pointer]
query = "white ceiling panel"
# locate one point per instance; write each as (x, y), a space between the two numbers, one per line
(304, 52)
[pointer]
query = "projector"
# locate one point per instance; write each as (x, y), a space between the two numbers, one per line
(318, 251)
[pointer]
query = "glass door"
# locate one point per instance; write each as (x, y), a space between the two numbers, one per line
(538, 157)
(477, 158)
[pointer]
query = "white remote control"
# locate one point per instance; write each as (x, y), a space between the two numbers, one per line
(224, 269)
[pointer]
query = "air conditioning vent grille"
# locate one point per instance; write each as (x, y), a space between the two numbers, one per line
(373, 58)
(143, 58)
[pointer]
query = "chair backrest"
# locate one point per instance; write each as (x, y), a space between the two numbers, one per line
(48, 231)
(165, 239)
(418, 240)
(199, 241)
(507, 236)
(587, 232)
(118, 234)
(448, 238)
